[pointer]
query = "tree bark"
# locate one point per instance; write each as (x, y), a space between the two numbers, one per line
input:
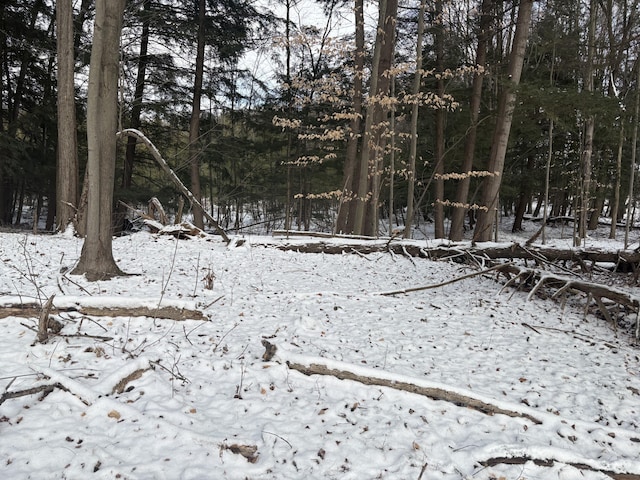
(506, 106)
(96, 259)
(524, 197)
(634, 151)
(615, 206)
(67, 155)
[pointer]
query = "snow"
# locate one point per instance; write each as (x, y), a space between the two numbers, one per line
(199, 389)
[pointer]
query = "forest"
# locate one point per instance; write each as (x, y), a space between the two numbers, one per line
(335, 116)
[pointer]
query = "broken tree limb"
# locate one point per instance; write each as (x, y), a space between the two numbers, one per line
(44, 389)
(562, 285)
(137, 134)
(344, 371)
(549, 460)
(101, 307)
(443, 284)
(43, 322)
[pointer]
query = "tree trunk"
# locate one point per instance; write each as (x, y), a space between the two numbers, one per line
(615, 206)
(348, 202)
(67, 168)
(589, 127)
(438, 213)
(506, 106)
(194, 124)
(547, 175)
(96, 260)
(136, 109)
(373, 141)
(634, 151)
(462, 192)
(381, 110)
(524, 197)
(413, 148)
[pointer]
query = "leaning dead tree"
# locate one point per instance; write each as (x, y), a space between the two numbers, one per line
(132, 132)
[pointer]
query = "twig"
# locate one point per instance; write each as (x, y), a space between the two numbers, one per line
(278, 436)
(223, 337)
(424, 467)
(47, 389)
(215, 301)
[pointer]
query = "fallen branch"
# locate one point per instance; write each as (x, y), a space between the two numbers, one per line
(341, 371)
(122, 384)
(442, 284)
(563, 285)
(549, 462)
(99, 307)
(44, 389)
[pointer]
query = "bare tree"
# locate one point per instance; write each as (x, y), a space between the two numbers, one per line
(67, 155)
(417, 82)
(194, 124)
(96, 260)
(438, 209)
(589, 127)
(348, 204)
(136, 108)
(506, 107)
(374, 141)
(462, 191)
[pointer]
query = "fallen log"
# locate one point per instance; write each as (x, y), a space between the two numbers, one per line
(514, 251)
(548, 462)
(342, 372)
(101, 307)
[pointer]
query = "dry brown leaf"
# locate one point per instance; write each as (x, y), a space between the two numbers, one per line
(114, 414)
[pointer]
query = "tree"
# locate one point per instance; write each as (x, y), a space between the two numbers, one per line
(506, 106)
(374, 138)
(96, 259)
(348, 203)
(462, 191)
(194, 123)
(417, 82)
(136, 108)
(589, 127)
(67, 156)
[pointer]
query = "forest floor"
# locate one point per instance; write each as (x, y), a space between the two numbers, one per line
(144, 397)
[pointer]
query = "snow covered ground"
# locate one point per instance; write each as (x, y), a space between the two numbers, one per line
(197, 400)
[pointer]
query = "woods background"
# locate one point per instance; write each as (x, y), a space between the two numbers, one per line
(358, 118)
